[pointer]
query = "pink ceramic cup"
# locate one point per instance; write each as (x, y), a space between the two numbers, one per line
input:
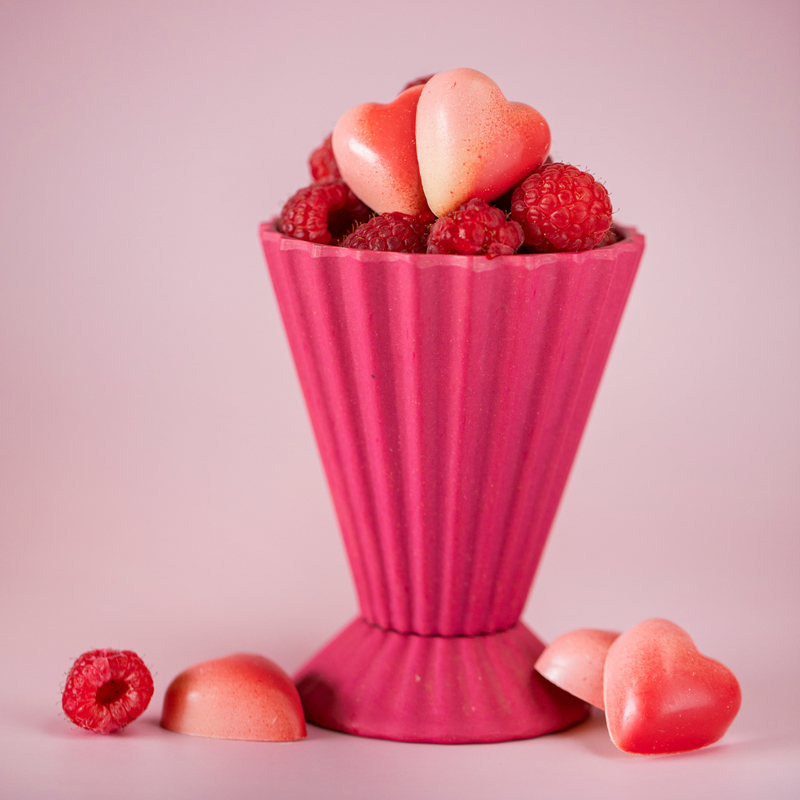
(448, 395)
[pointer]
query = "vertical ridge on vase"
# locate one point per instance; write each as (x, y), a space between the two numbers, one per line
(370, 335)
(454, 334)
(595, 294)
(413, 460)
(578, 398)
(530, 513)
(514, 415)
(349, 430)
(324, 368)
(485, 410)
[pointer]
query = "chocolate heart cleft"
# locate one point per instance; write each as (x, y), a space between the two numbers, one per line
(574, 662)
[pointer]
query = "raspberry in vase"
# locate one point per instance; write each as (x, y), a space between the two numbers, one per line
(475, 229)
(562, 208)
(322, 162)
(394, 232)
(322, 213)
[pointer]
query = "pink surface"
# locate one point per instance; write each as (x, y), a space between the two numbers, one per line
(160, 486)
(242, 696)
(575, 661)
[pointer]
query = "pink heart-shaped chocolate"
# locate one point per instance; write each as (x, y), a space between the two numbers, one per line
(472, 142)
(574, 662)
(662, 695)
(376, 150)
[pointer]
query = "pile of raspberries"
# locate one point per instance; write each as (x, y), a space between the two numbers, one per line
(558, 208)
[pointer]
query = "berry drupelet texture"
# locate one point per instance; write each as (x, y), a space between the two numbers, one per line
(322, 213)
(561, 208)
(476, 228)
(395, 232)
(106, 690)
(322, 162)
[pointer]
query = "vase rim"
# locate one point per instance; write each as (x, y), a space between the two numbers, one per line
(632, 240)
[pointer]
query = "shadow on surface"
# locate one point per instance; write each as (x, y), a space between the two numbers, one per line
(593, 736)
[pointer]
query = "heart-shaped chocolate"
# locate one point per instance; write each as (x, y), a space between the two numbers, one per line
(662, 695)
(574, 662)
(472, 142)
(242, 696)
(375, 148)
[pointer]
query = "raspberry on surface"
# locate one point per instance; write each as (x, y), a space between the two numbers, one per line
(322, 162)
(322, 213)
(561, 208)
(393, 232)
(475, 228)
(106, 690)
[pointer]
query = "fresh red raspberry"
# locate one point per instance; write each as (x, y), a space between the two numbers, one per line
(107, 689)
(322, 162)
(476, 228)
(394, 231)
(561, 208)
(322, 213)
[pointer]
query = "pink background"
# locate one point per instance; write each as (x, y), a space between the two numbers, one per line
(160, 488)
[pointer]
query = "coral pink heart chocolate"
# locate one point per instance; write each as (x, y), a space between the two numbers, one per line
(376, 150)
(574, 662)
(241, 696)
(662, 695)
(472, 142)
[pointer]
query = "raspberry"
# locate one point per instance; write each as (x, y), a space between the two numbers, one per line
(107, 689)
(322, 213)
(561, 208)
(322, 162)
(395, 231)
(476, 228)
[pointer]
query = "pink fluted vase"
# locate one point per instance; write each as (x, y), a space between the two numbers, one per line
(448, 395)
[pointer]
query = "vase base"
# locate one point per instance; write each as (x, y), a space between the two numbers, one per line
(444, 689)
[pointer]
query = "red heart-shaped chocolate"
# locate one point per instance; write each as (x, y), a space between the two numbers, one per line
(574, 662)
(662, 695)
(376, 150)
(472, 142)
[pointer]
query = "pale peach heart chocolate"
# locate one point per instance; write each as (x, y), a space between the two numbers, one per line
(574, 662)
(472, 142)
(375, 148)
(662, 695)
(242, 696)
